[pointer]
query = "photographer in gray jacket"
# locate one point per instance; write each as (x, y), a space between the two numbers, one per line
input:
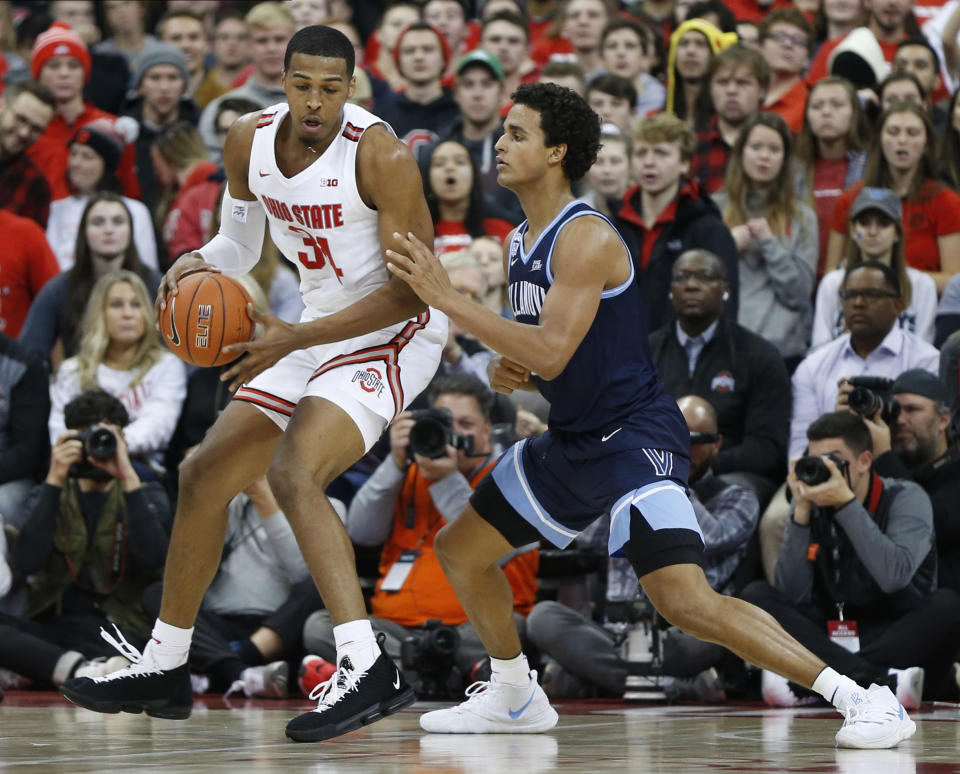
(855, 581)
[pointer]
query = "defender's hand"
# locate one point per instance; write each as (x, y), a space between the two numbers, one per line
(421, 270)
(279, 338)
(506, 376)
(186, 263)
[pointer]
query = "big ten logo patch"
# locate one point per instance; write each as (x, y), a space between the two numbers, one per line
(370, 380)
(204, 313)
(723, 382)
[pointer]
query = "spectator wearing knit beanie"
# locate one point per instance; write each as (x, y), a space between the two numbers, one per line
(61, 61)
(95, 153)
(160, 79)
(425, 106)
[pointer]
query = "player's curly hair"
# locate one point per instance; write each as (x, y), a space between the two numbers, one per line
(566, 119)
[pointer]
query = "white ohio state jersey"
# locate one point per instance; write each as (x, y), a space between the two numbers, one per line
(317, 218)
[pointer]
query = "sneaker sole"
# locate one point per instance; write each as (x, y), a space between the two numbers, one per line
(903, 732)
(158, 708)
(358, 720)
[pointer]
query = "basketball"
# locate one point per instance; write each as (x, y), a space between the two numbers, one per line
(208, 313)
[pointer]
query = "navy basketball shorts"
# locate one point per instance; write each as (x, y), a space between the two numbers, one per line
(553, 488)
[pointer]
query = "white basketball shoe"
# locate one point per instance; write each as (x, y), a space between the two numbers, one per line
(874, 720)
(495, 708)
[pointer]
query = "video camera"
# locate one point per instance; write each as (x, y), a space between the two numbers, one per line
(429, 651)
(871, 394)
(813, 470)
(432, 432)
(99, 443)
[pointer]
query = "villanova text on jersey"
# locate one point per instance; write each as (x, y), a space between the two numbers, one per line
(611, 378)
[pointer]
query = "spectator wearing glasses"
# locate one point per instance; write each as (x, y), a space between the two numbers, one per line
(874, 344)
(738, 372)
(25, 111)
(786, 41)
(876, 234)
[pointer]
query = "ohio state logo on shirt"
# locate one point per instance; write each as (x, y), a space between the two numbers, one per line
(722, 382)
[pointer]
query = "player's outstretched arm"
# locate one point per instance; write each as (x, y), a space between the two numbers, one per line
(228, 244)
(588, 258)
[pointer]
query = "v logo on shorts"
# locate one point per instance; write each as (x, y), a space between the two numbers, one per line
(662, 461)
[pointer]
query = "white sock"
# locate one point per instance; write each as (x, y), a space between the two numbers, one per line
(513, 671)
(169, 646)
(65, 667)
(834, 687)
(355, 639)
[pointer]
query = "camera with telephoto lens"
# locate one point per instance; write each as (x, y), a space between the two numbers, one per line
(813, 470)
(429, 652)
(432, 432)
(871, 394)
(99, 444)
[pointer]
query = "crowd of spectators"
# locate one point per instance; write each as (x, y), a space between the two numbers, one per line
(786, 177)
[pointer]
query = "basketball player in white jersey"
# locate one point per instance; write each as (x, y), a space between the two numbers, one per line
(334, 184)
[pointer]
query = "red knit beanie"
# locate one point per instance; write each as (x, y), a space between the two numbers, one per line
(59, 40)
(420, 27)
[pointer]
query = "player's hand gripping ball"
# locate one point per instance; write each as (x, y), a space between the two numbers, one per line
(208, 313)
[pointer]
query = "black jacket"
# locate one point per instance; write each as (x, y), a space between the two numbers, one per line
(940, 479)
(415, 122)
(697, 224)
(744, 379)
(24, 409)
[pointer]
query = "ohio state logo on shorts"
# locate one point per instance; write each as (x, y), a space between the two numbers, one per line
(371, 380)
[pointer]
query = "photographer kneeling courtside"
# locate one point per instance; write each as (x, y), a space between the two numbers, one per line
(437, 457)
(94, 537)
(855, 581)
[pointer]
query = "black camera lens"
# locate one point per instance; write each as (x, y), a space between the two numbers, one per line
(811, 470)
(444, 640)
(429, 438)
(864, 401)
(100, 444)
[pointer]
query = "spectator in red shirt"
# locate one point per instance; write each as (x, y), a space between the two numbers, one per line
(26, 264)
(25, 111)
(455, 198)
(61, 62)
(577, 34)
(786, 41)
(889, 20)
(739, 78)
(831, 151)
(902, 158)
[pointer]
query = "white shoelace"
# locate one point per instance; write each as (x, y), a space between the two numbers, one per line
(329, 693)
(137, 665)
(870, 712)
(478, 693)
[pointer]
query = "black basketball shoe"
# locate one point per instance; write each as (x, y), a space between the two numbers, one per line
(140, 687)
(352, 699)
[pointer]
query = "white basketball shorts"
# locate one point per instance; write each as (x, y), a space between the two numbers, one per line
(372, 377)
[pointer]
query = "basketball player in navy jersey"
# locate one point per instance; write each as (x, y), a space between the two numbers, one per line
(334, 184)
(615, 441)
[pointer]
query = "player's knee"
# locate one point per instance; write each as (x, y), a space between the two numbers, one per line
(691, 611)
(194, 478)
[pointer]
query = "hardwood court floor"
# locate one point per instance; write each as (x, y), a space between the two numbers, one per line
(40, 732)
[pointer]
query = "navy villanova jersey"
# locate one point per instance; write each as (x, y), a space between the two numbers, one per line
(611, 380)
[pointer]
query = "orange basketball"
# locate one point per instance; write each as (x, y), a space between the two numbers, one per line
(208, 313)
